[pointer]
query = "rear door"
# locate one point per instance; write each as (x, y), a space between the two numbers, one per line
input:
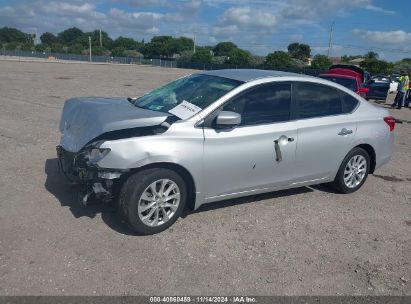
(326, 129)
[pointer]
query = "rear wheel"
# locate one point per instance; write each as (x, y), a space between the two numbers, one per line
(152, 200)
(353, 171)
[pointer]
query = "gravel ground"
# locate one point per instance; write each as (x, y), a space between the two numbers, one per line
(306, 241)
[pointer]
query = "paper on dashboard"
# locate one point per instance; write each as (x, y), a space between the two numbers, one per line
(185, 110)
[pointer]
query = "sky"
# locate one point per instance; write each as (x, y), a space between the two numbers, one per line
(260, 26)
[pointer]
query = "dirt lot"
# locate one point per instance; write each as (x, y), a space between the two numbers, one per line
(307, 241)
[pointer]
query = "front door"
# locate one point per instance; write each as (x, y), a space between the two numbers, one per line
(259, 153)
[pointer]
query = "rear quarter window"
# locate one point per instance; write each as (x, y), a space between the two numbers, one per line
(349, 102)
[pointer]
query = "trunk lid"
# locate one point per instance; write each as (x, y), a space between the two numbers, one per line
(85, 118)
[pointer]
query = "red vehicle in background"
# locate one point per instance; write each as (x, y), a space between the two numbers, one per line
(349, 76)
(349, 82)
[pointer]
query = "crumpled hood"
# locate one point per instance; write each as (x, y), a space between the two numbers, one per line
(85, 118)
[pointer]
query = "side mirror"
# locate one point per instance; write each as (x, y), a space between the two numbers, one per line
(228, 119)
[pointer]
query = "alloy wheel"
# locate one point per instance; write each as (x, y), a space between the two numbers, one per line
(159, 202)
(355, 171)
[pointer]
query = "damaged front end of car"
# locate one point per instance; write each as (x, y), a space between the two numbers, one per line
(86, 124)
(82, 170)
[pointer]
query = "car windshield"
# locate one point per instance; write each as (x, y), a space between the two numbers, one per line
(198, 90)
(346, 82)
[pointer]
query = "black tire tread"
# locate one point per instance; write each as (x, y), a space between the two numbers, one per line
(338, 183)
(137, 183)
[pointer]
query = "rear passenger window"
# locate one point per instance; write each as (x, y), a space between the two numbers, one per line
(349, 102)
(313, 100)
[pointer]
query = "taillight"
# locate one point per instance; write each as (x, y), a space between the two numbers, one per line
(390, 121)
(364, 90)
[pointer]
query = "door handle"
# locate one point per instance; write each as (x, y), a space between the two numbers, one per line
(344, 131)
(283, 140)
(277, 149)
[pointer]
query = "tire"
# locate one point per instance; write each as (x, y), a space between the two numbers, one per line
(138, 194)
(343, 183)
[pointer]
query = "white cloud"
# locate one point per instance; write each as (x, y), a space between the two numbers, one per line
(389, 37)
(249, 18)
(64, 8)
(312, 10)
(378, 9)
(142, 2)
(144, 23)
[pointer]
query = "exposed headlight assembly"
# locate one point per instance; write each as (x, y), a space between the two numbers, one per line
(95, 153)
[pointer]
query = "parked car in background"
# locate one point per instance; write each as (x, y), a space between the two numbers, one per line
(349, 82)
(216, 135)
(377, 90)
(392, 80)
(380, 78)
(350, 70)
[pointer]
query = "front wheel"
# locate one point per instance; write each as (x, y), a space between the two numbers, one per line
(353, 171)
(152, 200)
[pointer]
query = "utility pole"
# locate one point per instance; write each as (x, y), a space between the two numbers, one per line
(89, 46)
(330, 39)
(101, 41)
(194, 47)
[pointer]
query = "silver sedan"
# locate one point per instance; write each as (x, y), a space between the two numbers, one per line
(218, 135)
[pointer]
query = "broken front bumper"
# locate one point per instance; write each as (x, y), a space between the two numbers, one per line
(93, 181)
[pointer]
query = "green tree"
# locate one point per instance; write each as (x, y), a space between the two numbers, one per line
(279, 59)
(13, 45)
(106, 41)
(48, 38)
(257, 60)
(125, 43)
(27, 46)
(41, 47)
(218, 59)
(76, 48)
(403, 65)
(97, 50)
(299, 51)
(238, 57)
(186, 56)
(70, 35)
(57, 48)
(158, 46)
(371, 55)
(321, 62)
(179, 45)
(118, 52)
(348, 58)
(133, 53)
(9, 34)
(224, 48)
(202, 56)
(376, 66)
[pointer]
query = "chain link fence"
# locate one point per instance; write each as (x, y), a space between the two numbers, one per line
(160, 62)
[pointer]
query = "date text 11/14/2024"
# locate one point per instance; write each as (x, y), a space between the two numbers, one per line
(203, 299)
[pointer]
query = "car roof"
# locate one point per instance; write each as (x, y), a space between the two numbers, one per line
(337, 76)
(246, 75)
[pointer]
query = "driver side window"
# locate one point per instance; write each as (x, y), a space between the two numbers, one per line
(268, 103)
